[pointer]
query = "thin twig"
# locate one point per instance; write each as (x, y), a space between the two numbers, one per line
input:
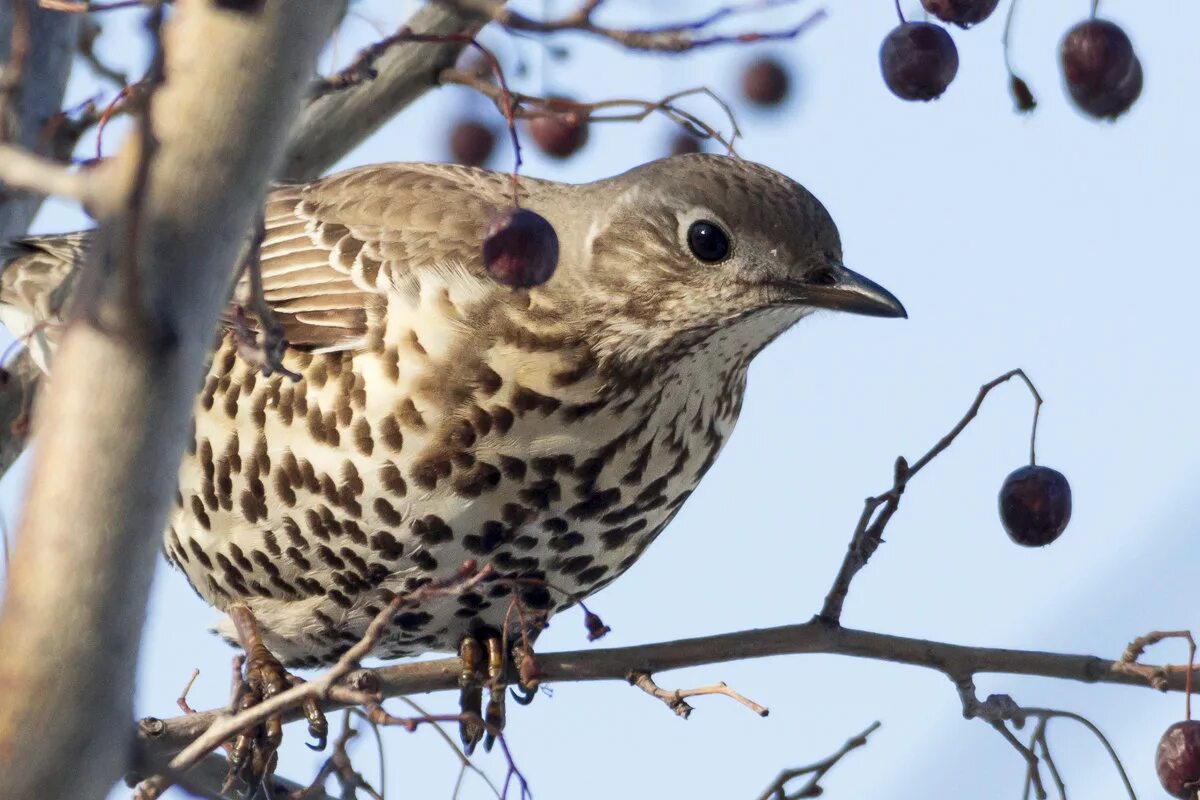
(85, 7)
(181, 701)
(816, 771)
(671, 38)
(526, 106)
(868, 533)
(1135, 649)
(462, 757)
(676, 699)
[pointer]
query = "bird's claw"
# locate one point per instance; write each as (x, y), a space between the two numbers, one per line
(524, 696)
(253, 754)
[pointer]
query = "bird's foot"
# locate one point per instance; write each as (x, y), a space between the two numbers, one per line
(470, 698)
(253, 755)
(484, 665)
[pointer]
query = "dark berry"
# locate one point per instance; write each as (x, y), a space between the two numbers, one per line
(562, 133)
(685, 143)
(765, 82)
(963, 13)
(1178, 759)
(918, 60)
(1103, 74)
(1035, 505)
(520, 248)
(471, 143)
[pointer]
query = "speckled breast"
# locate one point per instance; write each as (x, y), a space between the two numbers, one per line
(387, 467)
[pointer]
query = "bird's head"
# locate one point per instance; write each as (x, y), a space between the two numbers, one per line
(686, 247)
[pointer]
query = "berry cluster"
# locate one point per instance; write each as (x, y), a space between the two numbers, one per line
(1102, 73)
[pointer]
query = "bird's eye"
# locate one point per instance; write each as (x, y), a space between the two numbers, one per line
(707, 241)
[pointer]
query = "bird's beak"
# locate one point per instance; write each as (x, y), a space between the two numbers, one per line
(848, 291)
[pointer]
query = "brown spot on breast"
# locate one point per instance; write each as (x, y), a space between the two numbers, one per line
(392, 480)
(525, 400)
(316, 525)
(483, 477)
(512, 467)
(502, 418)
(199, 553)
(591, 575)
(566, 541)
(541, 494)
(431, 530)
(283, 488)
(488, 380)
(461, 434)
(425, 561)
(199, 513)
(389, 431)
(406, 412)
(351, 529)
(386, 545)
(480, 420)
(329, 557)
(362, 437)
(428, 472)
(284, 407)
(594, 503)
(386, 512)
(206, 397)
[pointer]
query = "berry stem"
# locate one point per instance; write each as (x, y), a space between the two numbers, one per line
(1004, 39)
(900, 13)
(1187, 680)
(1095, 7)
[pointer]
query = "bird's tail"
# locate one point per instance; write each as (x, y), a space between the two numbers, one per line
(37, 278)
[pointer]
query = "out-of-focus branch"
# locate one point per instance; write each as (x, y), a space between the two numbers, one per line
(26, 172)
(335, 123)
(50, 49)
(673, 37)
(124, 383)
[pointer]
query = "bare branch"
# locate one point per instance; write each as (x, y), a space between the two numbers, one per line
(50, 53)
(676, 699)
(337, 122)
(868, 534)
(159, 738)
(24, 171)
(672, 38)
(811, 788)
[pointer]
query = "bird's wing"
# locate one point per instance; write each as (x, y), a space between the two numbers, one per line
(334, 248)
(331, 251)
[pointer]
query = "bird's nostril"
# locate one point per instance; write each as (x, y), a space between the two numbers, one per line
(822, 277)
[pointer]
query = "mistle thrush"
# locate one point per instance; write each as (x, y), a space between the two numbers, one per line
(442, 417)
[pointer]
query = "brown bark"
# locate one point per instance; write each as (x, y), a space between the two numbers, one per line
(113, 429)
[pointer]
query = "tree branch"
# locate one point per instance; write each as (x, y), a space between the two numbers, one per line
(335, 123)
(124, 385)
(158, 739)
(51, 49)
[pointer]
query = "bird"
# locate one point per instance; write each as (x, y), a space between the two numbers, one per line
(441, 417)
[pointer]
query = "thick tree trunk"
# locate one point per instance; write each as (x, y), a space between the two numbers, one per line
(113, 430)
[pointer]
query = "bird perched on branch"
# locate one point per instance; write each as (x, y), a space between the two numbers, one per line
(441, 417)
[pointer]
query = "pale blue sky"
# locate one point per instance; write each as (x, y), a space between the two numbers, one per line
(1048, 242)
